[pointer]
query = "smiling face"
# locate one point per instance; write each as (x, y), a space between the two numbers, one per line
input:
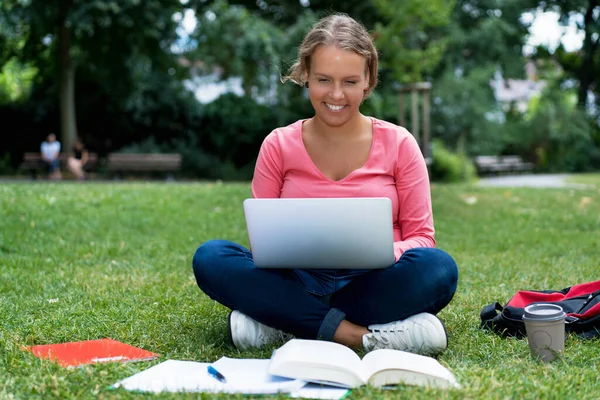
(337, 83)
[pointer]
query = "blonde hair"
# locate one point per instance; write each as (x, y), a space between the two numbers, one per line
(343, 32)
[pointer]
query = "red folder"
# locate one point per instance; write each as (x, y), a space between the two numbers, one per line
(91, 351)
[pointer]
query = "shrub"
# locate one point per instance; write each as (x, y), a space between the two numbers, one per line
(5, 166)
(447, 166)
(557, 133)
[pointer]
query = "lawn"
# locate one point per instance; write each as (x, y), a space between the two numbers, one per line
(93, 260)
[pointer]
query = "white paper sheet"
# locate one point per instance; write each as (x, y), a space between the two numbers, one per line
(172, 376)
(243, 376)
(248, 376)
(252, 376)
(315, 391)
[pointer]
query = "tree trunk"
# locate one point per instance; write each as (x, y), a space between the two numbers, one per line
(586, 71)
(68, 122)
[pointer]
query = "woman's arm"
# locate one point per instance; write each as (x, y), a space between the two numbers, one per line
(268, 172)
(415, 215)
(84, 157)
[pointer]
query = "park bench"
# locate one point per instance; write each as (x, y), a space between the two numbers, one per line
(33, 163)
(501, 164)
(169, 163)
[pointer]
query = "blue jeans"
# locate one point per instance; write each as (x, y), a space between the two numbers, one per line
(52, 165)
(422, 280)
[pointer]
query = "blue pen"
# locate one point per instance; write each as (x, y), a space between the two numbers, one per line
(216, 374)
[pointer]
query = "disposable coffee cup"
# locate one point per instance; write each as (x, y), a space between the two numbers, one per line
(545, 327)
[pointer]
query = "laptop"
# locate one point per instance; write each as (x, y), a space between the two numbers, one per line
(345, 233)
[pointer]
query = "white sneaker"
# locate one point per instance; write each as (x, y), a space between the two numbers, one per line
(422, 334)
(246, 333)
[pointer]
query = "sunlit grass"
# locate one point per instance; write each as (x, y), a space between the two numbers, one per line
(588, 179)
(115, 259)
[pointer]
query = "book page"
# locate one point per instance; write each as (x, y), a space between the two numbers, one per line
(389, 367)
(318, 361)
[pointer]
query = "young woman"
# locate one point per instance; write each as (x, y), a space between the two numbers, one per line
(77, 159)
(339, 153)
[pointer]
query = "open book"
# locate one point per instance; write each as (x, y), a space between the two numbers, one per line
(335, 364)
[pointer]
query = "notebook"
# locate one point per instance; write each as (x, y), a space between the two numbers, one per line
(91, 351)
(344, 233)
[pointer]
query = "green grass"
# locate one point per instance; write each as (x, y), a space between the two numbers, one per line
(115, 259)
(588, 179)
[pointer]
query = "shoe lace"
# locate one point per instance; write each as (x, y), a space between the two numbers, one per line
(391, 335)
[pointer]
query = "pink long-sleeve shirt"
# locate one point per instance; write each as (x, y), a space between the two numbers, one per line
(395, 168)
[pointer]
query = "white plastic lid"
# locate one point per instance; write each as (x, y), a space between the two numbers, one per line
(544, 312)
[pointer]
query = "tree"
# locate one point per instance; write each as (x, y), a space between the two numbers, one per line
(286, 12)
(100, 37)
(584, 64)
(465, 115)
(485, 37)
(559, 133)
(410, 37)
(487, 33)
(232, 40)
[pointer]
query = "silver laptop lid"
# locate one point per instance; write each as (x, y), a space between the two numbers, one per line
(320, 232)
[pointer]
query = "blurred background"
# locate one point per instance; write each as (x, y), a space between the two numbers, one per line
(201, 78)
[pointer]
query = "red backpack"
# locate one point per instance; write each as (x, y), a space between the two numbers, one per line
(580, 302)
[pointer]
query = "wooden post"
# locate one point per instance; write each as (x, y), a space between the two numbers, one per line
(423, 137)
(426, 124)
(402, 109)
(414, 114)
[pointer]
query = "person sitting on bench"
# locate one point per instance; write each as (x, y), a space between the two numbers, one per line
(50, 150)
(77, 159)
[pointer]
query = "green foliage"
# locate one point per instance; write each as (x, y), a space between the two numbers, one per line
(231, 132)
(286, 13)
(233, 129)
(450, 167)
(103, 32)
(5, 164)
(200, 163)
(111, 260)
(486, 34)
(465, 115)
(559, 133)
(583, 64)
(238, 43)
(129, 91)
(93, 39)
(410, 37)
(160, 102)
(16, 80)
(146, 146)
(378, 105)
(159, 108)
